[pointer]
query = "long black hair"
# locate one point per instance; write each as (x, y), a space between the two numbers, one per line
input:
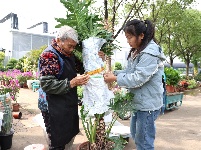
(136, 28)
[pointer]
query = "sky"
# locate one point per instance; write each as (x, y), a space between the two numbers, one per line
(31, 12)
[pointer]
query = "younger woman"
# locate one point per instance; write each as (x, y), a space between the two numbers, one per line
(143, 77)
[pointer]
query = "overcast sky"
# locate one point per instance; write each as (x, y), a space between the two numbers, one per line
(31, 12)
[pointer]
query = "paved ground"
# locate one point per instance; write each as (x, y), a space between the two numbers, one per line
(179, 129)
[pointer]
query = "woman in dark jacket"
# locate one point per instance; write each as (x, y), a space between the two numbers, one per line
(58, 79)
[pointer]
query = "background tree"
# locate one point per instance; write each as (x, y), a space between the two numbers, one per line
(11, 63)
(166, 15)
(19, 65)
(33, 56)
(117, 13)
(2, 57)
(188, 37)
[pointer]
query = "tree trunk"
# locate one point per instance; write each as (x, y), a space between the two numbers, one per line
(187, 68)
(108, 59)
(171, 62)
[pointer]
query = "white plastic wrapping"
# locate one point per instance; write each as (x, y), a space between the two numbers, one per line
(91, 60)
(96, 95)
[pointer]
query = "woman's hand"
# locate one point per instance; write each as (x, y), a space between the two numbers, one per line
(79, 80)
(109, 77)
(101, 54)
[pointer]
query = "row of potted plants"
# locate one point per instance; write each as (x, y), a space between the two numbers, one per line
(176, 83)
(9, 88)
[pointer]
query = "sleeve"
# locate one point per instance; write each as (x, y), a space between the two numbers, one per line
(144, 70)
(49, 68)
(116, 72)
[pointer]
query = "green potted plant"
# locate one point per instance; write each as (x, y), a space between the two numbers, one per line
(6, 132)
(96, 130)
(21, 80)
(172, 78)
(15, 87)
(12, 88)
(25, 79)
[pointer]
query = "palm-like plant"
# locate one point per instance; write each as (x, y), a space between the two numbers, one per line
(87, 24)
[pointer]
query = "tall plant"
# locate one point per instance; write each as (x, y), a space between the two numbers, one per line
(87, 24)
(90, 26)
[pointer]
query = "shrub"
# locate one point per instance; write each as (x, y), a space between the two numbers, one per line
(118, 66)
(192, 84)
(198, 77)
(11, 63)
(172, 76)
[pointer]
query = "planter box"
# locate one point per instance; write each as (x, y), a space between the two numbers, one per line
(29, 82)
(173, 100)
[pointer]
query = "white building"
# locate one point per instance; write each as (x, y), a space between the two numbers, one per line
(18, 42)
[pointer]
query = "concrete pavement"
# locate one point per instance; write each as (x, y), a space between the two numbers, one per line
(178, 129)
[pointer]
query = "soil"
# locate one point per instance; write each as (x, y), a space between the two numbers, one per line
(177, 129)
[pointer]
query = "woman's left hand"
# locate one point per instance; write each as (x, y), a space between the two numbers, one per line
(101, 54)
(109, 77)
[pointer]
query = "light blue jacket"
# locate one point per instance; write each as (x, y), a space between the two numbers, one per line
(143, 77)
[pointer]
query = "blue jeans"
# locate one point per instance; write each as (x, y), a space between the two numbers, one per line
(143, 129)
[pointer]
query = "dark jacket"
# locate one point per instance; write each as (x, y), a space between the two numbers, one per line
(62, 102)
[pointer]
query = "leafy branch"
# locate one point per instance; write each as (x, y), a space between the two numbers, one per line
(89, 126)
(86, 24)
(122, 103)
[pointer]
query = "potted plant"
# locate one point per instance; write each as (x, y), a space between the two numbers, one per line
(28, 79)
(21, 80)
(13, 89)
(172, 79)
(97, 131)
(6, 132)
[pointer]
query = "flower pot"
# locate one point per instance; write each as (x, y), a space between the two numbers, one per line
(17, 115)
(16, 107)
(21, 85)
(6, 141)
(84, 146)
(25, 85)
(170, 88)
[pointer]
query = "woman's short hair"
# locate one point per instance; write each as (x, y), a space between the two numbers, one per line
(66, 32)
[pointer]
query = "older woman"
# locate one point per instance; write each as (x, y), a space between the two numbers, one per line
(58, 79)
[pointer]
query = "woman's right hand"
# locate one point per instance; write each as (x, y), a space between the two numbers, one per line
(79, 80)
